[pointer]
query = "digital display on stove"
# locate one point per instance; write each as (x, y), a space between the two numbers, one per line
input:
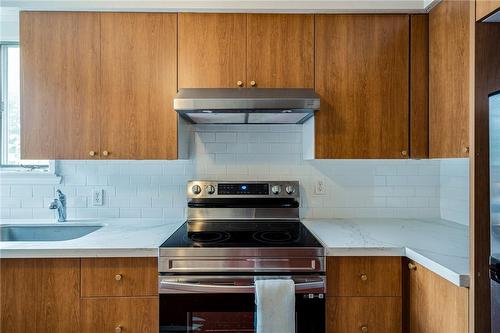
(243, 189)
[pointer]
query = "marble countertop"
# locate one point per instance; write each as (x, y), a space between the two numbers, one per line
(438, 245)
(116, 238)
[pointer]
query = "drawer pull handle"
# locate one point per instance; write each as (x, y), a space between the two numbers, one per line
(118, 277)
(118, 329)
(364, 277)
(412, 267)
(364, 329)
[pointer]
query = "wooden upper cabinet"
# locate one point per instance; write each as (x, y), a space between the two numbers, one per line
(139, 82)
(212, 50)
(485, 8)
(280, 50)
(419, 86)
(60, 82)
(362, 65)
(449, 79)
(436, 305)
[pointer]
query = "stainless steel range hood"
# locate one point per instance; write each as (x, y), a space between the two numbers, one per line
(246, 106)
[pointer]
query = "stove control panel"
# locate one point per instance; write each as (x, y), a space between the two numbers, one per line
(226, 189)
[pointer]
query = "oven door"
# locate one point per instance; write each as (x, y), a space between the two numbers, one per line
(227, 303)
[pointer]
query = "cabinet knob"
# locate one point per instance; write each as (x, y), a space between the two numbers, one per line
(364, 277)
(105, 153)
(118, 277)
(364, 328)
(240, 83)
(412, 267)
(253, 83)
(466, 150)
(92, 153)
(118, 329)
(404, 153)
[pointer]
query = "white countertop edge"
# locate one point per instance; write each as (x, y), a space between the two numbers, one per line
(365, 251)
(78, 253)
(459, 279)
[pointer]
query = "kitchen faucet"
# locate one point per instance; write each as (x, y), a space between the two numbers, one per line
(59, 203)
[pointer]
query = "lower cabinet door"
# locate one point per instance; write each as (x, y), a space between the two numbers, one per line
(364, 314)
(120, 314)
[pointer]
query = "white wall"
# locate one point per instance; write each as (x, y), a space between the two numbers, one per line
(9, 24)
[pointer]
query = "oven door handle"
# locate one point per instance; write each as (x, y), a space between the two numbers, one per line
(173, 287)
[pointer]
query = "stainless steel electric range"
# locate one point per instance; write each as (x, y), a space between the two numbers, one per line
(235, 233)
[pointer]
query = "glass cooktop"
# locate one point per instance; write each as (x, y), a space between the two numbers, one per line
(241, 234)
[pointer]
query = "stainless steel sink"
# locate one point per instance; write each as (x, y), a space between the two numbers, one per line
(44, 232)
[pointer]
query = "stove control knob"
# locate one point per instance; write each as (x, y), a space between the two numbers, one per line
(276, 189)
(290, 189)
(196, 189)
(210, 189)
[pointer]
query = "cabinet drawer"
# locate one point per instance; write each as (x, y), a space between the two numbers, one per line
(120, 314)
(364, 276)
(119, 277)
(364, 314)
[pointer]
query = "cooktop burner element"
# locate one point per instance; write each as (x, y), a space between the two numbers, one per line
(209, 236)
(272, 237)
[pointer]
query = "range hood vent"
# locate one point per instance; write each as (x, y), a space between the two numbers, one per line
(246, 106)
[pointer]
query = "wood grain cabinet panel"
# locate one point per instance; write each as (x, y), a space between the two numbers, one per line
(212, 50)
(40, 295)
(362, 70)
(436, 305)
(364, 314)
(139, 82)
(485, 8)
(120, 314)
(60, 84)
(419, 86)
(280, 50)
(119, 277)
(449, 79)
(364, 276)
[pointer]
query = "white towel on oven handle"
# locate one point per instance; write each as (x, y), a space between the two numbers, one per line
(275, 300)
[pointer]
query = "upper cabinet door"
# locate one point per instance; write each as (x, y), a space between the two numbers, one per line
(139, 76)
(280, 51)
(59, 85)
(212, 50)
(362, 66)
(449, 79)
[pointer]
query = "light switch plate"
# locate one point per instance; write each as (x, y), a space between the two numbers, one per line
(97, 197)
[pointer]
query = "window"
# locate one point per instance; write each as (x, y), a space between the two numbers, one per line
(10, 139)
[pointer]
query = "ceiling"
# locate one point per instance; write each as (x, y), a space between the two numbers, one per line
(287, 6)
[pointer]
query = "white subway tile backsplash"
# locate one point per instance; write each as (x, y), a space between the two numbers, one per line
(32, 203)
(43, 191)
(130, 212)
(21, 190)
(21, 213)
(6, 202)
(454, 190)
(355, 188)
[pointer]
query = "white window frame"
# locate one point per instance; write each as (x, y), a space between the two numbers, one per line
(18, 174)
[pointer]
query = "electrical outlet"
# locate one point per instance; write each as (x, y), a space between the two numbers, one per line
(97, 197)
(320, 187)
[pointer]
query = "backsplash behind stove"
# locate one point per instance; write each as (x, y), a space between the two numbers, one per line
(155, 189)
